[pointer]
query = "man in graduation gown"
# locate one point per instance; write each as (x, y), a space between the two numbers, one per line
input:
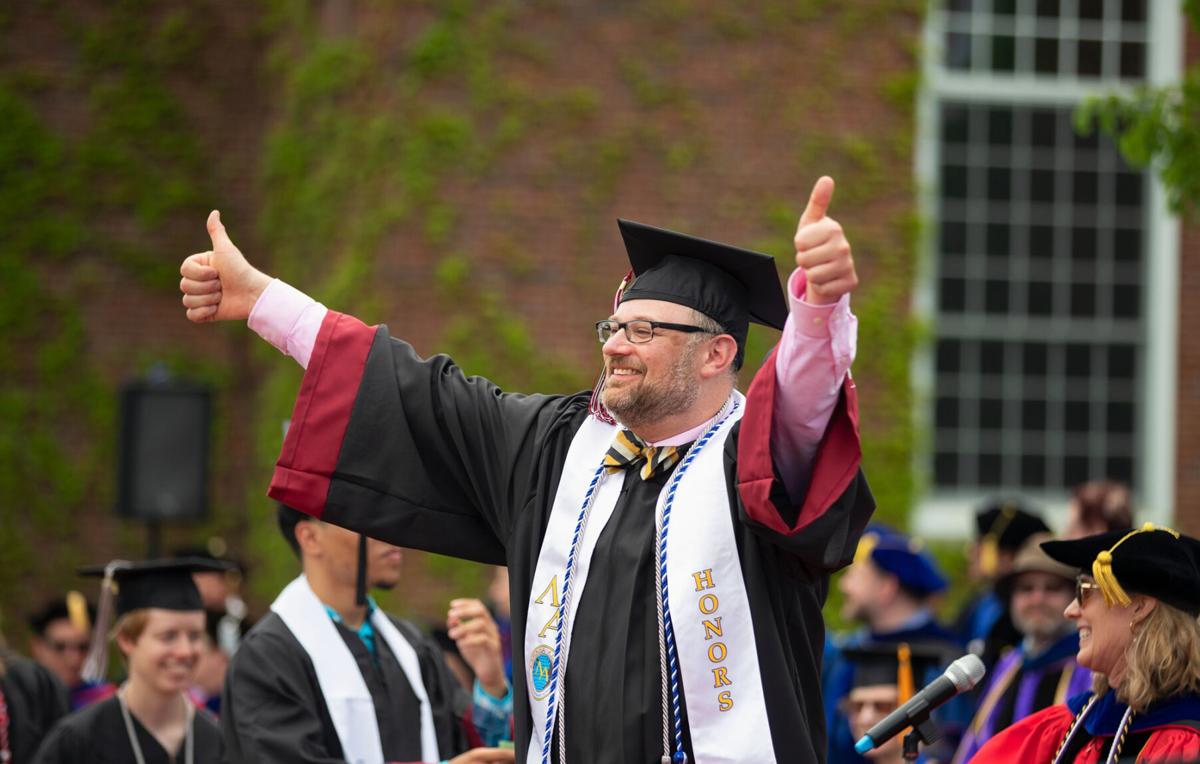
(323, 678)
(771, 499)
(888, 589)
(1041, 670)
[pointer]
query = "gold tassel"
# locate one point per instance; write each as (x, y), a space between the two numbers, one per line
(866, 545)
(77, 611)
(989, 546)
(1102, 570)
(905, 683)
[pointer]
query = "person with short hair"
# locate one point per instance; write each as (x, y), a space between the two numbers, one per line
(150, 719)
(327, 676)
(1041, 670)
(669, 541)
(1137, 608)
(62, 635)
(889, 590)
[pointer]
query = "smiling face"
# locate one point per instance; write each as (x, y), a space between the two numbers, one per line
(1038, 602)
(650, 381)
(1104, 632)
(163, 656)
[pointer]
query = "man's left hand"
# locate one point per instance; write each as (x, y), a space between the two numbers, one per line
(471, 627)
(823, 251)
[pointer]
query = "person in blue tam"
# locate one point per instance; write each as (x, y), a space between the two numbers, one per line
(889, 590)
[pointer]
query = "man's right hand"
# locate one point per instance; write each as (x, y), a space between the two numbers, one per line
(486, 756)
(220, 285)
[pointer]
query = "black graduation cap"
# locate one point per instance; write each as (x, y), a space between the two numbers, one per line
(1010, 521)
(732, 286)
(1152, 560)
(74, 607)
(165, 584)
(877, 663)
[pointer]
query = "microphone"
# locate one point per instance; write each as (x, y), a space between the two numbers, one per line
(960, 676)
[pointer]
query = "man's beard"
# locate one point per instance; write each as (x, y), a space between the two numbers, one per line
(1042, 625)
(647, 402)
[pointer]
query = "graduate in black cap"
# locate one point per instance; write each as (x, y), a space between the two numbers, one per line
(1137, 608)
(668, 540)
(159, 628)
(1002, 525)
(885, 675)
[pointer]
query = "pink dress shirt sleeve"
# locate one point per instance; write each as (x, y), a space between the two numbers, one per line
(288, 319)
(814, 357)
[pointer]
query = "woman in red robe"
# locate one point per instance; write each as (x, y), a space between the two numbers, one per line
(1136, 607)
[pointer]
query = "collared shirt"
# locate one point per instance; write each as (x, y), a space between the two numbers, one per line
(491, 716)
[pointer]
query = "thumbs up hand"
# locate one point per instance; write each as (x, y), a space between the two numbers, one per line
(220, 285)
(823, 251)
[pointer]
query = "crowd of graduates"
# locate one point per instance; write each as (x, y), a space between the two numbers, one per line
(248, 701)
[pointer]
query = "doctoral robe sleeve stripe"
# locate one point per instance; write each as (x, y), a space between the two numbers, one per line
(835, 464)
(322, 413)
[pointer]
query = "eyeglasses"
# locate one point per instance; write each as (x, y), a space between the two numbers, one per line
(1083, 590)
(640, 331)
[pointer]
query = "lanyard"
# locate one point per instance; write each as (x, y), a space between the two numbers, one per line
(188, 744)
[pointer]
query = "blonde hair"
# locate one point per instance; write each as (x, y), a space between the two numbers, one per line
(1162, 661)
(131, 625)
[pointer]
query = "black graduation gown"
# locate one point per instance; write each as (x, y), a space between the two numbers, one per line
(412, 452)
(272, 709)
(97, 735)
(35, 700)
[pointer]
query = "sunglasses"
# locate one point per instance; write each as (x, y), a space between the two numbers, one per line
(1083, 590)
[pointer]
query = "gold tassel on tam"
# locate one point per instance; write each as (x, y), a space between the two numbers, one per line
(1102, 570)
(866, 545)
(989, 545)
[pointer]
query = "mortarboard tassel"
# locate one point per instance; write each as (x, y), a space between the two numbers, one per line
(77, 611)
(989, 546)
(595, 407)
(360, 584)
(95, 667)
(905, 683)
(866, 545)
(1103, 573)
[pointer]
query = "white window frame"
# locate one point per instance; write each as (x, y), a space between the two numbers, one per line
(951, 514)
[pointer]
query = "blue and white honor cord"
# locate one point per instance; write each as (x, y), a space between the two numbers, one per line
(668, 659)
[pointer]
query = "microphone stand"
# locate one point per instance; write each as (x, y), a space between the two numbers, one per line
(924, 731)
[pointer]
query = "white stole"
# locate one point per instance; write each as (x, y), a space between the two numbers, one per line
(710, 609)
(346, 694)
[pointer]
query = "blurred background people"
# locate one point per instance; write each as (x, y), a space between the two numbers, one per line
(889, 589)
(61, 636)
(1136, 606)
(32, 700)
(1041, 670)
(1002, 525)
(1099, 506)
(150, 720)
(884, 678)
(328, 676)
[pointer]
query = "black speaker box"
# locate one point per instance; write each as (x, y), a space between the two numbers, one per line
(163, 454)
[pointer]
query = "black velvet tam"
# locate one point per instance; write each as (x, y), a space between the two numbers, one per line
(1154, 562)
(1010, 520)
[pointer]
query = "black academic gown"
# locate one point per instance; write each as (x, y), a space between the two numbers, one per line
(97, 735)
(273, 709)
(35, 700)
(412, 452)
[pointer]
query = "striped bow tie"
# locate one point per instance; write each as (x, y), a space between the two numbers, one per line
(628, 450)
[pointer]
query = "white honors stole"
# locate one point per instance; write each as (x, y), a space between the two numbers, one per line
(710, 609)
(346, 694)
